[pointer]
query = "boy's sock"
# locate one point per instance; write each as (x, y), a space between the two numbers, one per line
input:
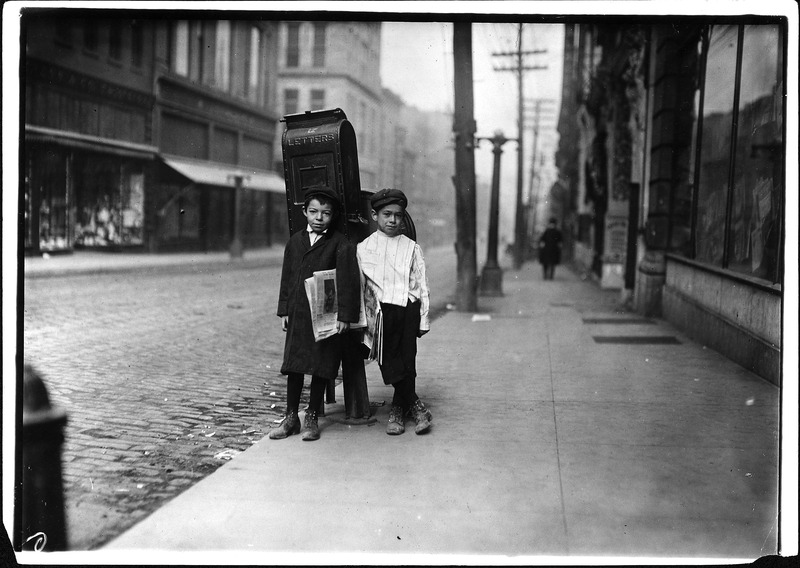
(294, 388)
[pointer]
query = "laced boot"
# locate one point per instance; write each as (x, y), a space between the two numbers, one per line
(395, 424)
(310, 426)
(422, 417)
(288, 426)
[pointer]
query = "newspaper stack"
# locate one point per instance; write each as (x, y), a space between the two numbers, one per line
(373, 322)
(324, 304)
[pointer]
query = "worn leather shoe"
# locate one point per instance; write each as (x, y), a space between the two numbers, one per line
(422, 417)
(395, 424)
(310, 427)
(288, 426)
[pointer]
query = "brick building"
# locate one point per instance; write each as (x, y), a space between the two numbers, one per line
(137, 129)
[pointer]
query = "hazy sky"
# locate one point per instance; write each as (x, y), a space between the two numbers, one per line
(417, 64)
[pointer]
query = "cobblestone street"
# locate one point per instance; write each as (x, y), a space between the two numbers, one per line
(162, 376)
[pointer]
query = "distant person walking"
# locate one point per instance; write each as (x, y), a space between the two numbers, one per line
(550, 249)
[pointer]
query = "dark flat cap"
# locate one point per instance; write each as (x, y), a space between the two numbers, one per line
(322, 191)
(385, 197)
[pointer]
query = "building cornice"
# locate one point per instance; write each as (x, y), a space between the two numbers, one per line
(53, 75)
(179, 93)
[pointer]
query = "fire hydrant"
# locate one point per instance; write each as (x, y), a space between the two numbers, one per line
(42, 524)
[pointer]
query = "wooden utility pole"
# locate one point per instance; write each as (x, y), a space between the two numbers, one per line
(464, 179)
(520, 239)
(533, 195)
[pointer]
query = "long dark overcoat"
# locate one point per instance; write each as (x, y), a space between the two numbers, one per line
(300, 260)
(550, 247)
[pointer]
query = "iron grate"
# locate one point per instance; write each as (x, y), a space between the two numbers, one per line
(619, 321)
(637, 339)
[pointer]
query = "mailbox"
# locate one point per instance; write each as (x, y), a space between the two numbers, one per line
(319, 149)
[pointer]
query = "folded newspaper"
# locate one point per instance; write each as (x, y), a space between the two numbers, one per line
(373, 330)
(324, 304)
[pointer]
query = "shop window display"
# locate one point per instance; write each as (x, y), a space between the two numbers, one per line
(110, 202)
(716, 141)
(739, 218)
(47, 200)
(753, 230)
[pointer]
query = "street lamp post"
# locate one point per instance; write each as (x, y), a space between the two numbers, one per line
(492, 274)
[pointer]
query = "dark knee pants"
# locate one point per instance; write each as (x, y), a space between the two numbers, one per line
(399, 365)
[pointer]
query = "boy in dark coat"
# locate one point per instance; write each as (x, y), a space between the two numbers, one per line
(318, 247)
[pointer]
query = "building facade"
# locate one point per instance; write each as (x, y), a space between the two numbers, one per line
(679, 185)
(136, 131)
(325, 65)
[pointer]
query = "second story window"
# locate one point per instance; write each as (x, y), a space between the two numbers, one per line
(64, 31)
(317, 99)
(222, 57)
(180, 48)
(319, 44)
(90, 35)
(291, 101)
(292, 45)
(255, 65)
(196, 51)
(115, 40)
(137, 43)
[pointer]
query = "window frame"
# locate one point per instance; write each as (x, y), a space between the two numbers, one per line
(777, 278)
(319, 52)
(292, 45)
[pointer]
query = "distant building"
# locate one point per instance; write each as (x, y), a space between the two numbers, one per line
(324, 65)
(136, 130)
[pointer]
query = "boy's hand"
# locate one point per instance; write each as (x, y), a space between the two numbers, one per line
(342, 327)
(285, 323)
(422, 332)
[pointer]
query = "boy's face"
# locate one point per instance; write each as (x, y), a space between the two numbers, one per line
(319, 215)
(389, 219)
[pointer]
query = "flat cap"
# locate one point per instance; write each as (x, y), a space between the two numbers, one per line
(386, 197)
(322, 191)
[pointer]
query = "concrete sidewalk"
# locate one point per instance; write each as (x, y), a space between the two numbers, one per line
(562, 427)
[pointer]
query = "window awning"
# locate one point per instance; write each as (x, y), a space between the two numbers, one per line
(224, 175)
(88, 142)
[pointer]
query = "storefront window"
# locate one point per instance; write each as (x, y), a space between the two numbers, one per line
(110, 202)
(47, 202)
(738, 219)
(181, 215)
(716, 143)
(755, 221)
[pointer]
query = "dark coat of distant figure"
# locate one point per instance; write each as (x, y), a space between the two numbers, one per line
(550, 249)
(302, 354)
